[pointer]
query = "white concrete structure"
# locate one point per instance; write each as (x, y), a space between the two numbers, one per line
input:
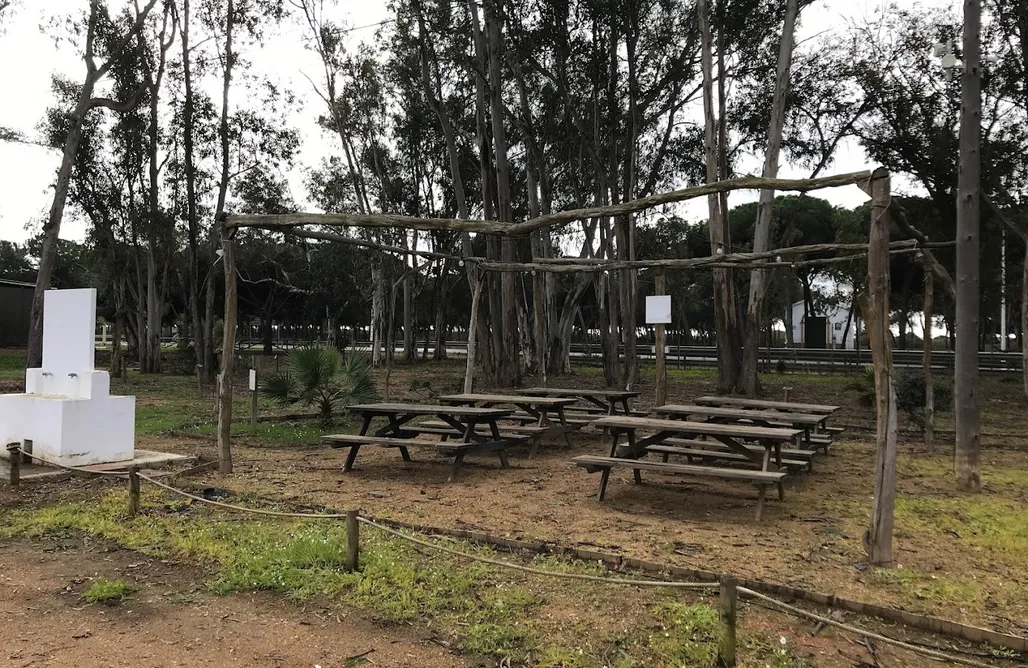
(836, 317)
(67, 410)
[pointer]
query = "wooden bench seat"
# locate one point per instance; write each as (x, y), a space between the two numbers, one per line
(346, 440)
(441, 428)
(791, 453)
(572, 421)
(594, 464)
(835, 431)
(719, 455)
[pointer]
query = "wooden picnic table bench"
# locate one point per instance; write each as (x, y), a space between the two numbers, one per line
(730, 435)
(806, 422)
(607, 400)
(761, 404)
(547, 412)
(398, 434)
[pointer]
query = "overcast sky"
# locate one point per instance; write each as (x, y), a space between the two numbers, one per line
(30, 57)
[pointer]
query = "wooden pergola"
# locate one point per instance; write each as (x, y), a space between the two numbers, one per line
(874, 302)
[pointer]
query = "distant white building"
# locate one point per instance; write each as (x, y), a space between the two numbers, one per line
(835, 327)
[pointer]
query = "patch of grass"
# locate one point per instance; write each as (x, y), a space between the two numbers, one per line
(936, 588)
(996, 525)
(182, 598)
(302, 560)
(687, 635)
(12, 364)
(110, 592)
(295, 433)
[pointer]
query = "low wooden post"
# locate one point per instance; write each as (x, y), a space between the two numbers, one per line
(14, 459)
(253, 398)
(660, 343)
(133, 501)
(199, 380)
(726, 616)
(788, 391)
(352, 540)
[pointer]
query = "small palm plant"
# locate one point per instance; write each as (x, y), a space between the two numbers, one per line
(324, 378)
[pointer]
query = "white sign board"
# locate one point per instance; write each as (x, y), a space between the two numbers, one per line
(253, 379)
(658, 310)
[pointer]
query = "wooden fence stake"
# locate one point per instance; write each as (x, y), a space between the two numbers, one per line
(352, 540)
(133, 476)
(14, 459)
(726, 615)
(253, 398)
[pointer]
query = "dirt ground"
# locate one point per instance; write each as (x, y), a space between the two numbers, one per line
(812, 540)
(171, 621)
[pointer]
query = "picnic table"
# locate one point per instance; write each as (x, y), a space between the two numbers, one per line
(731, 435)
(546, 412)
(806, 422)
(607, 401)
(462, 419)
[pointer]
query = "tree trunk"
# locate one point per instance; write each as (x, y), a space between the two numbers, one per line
(875, 310)
(926, 363)
(968, 415)
(193, 256)
(378, 343)
(724, 297)
(408, 309)
(509, 373)
(52, 227)
(1024, 321)
(441, 294)
(750, 383)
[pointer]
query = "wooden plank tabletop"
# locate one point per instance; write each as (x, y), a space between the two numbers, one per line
(804, 419)
(707, 428)
(572, 392)
(786, 406)
(509, 399)
(428, 409)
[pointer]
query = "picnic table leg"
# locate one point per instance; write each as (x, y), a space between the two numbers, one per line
(604, 477)
(806, 438)
(624, 402)
(763, 488)
(564, 423)
(351, 456)
(404, 454)
(504, 462)
(457, 461)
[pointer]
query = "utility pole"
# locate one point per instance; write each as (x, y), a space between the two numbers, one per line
(968, 411)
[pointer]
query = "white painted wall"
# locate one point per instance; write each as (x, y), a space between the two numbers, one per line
(836, 326)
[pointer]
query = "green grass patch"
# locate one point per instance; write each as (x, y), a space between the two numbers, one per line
(110, 592)
(12, 364)
(996, 525)
(303, 559)
(939, 588)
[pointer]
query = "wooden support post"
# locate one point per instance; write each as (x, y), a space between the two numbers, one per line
(788, 392)
(726, 616)
(660, 343)
(469, 373)
(133, 501)
(352, 541)
(14, 460)
(228, 349)
(199, 380)
(874, 306)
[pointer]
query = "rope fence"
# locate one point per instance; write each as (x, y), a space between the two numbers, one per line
(729, 591)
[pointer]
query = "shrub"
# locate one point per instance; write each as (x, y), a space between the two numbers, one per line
(910, 394)
(324, 378)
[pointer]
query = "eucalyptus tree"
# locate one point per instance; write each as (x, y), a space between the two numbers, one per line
(111, 39)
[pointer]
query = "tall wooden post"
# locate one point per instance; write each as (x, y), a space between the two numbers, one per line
(926, 361)
(228, 357)
(875, 310)
(469, 373)
(133, 500)
(967, 409)
(660, 345)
